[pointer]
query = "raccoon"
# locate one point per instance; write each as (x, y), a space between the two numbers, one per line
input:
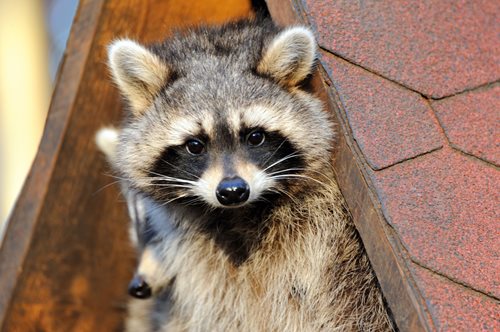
(228, 156)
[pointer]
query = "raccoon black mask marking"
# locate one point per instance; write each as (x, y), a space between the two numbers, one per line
(273, 154)
(230, 160)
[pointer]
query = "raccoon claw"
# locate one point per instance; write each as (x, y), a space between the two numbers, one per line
(139, 288)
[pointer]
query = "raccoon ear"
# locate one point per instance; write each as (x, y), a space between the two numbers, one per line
(138, 72)
(107, 141)
(289, 58)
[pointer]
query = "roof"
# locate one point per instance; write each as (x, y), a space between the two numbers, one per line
(414, 87)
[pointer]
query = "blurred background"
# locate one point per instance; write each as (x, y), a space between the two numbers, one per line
(33, 37)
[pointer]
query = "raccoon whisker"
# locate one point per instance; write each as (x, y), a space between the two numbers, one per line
(198, 200)
(282, 191)
(156, 208)
(299, 169)
(208, 208)
(180, 169)
(173, 184)
(263, 199)
(166, 183)
(118, 177)
(299, 176)
(192, 201)
(291, 155)
(164, 204)
(319, 173)
(279, 146)
(165, 177)
(286, 170)
(106, 186)
(173, 199)
(292, 175)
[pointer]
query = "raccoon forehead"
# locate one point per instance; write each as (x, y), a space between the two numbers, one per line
(183, 127)
(171, 124)
(287, 120)
(270, 119)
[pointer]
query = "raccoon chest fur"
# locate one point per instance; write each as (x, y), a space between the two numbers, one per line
(225, 159)
(307, 273)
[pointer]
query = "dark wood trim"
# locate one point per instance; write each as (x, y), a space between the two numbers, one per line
(383, 247)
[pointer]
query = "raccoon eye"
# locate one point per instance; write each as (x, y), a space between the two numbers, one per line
(256, 138)
(194, 146)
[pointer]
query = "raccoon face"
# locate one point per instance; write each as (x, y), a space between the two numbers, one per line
(227, 164)
(222, 130)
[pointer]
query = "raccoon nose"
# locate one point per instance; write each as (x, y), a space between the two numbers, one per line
(139, 288)
(232, 191)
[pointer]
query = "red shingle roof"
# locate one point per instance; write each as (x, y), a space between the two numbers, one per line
(417, 86)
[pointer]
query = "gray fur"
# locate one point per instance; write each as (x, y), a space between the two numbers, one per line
(290, 258)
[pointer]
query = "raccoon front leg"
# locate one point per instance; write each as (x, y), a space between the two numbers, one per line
(149, 231)
(149, 279)
(154, 314)
(139, 315)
